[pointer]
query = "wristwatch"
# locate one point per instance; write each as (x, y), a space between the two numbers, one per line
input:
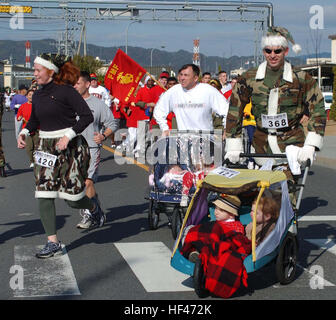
(104, 136)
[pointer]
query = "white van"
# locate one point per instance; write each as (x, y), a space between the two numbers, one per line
(328, 97)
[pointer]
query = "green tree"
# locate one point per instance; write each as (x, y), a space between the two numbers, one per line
(332, 114)
(87, 63)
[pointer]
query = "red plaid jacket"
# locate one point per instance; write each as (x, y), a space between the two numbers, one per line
(222, 251)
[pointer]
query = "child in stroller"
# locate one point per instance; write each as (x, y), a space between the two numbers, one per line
(226, 214)
(178, 178)
(222, 245)
(266, 217)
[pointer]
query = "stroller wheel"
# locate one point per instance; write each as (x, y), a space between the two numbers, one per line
(199, 280)
(177, 219)
(286, 260)
(153, 215)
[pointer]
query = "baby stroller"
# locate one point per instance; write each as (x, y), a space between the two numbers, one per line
(281, 245)
(173, 150)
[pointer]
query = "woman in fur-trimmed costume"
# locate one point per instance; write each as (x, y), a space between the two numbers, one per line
(62, 155)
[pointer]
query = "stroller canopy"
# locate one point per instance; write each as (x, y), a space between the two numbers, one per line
(229, 180)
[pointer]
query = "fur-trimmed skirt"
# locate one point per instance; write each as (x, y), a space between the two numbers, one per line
(66, 179)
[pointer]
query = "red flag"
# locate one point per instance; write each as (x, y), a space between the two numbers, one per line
(123, 76)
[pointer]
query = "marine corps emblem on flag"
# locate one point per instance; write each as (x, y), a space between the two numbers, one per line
(123, 76)
(125, 79)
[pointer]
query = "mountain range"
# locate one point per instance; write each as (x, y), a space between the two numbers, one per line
(175, 60)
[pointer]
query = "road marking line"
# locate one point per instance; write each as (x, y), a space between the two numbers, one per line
(326, 244)
(317, 218)
(44, 277)
(130, 160)
(325, 282)
(150, 262)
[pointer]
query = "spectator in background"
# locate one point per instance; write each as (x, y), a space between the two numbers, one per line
(142, 99)
(156, 92)
(7, 97)
(217, 119)
(17, 100)
(23, 115)
(171, 119)
(206, 77)
(171, 82)
(215, 83)
(222, 77)
(99, 91)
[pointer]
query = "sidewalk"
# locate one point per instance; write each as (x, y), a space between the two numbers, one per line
(327, 157)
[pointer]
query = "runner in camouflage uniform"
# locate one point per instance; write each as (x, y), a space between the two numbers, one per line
(281, 95)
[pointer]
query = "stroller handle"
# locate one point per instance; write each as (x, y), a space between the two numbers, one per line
(262, 155)
(275, 156)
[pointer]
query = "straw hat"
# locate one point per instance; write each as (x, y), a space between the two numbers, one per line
(228, 203)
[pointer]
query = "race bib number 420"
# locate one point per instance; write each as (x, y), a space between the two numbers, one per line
(277, 121)
(45, 159)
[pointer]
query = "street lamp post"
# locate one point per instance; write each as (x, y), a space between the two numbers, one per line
(127, 32)
(151, 55)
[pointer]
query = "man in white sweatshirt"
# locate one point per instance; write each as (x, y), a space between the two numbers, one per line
(192, 102)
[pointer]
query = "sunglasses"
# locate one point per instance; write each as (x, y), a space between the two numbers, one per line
(276, 51)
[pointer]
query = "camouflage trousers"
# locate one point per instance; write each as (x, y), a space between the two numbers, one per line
(66, 180)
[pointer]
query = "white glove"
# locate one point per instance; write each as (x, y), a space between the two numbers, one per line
(292, 153)
(234, 147)
(305, 153)
(233, 156)
(184, 201)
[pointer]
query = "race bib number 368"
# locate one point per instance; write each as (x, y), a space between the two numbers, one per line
(45, 159)
(274, 122)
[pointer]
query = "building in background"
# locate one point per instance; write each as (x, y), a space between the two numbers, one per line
(322, 68)
(14, 75)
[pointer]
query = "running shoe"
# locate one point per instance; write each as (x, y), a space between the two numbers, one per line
(2, 172)
(50, 249)
(98, 215)
(86, 221)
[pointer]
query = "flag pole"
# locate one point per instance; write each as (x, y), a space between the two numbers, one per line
(157, 82)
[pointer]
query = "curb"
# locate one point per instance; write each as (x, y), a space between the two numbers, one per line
(326, 162)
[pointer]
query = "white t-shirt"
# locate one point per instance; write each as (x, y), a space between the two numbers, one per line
(193, 108)
(226, 87)
(7, 101)
(101, 93)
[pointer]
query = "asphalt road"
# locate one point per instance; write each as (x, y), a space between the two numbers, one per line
(96, 262)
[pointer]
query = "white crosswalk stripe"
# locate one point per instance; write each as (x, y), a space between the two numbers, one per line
(150, 262)
(317, 218)
(44, 277)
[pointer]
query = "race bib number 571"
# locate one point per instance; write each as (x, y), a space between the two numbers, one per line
(45, 159)
(274, 122)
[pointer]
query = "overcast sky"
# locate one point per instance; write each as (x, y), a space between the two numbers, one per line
(216, 39)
